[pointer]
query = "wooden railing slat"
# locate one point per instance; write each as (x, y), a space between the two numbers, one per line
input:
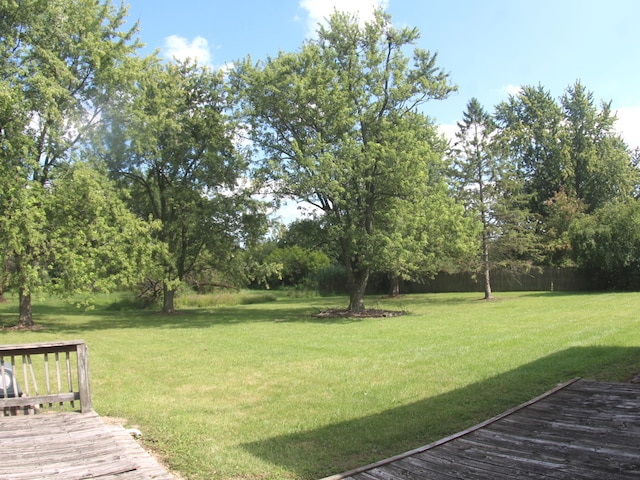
(27, 394)
(3, 378)
(33, 376)
(38, 400)
(40, 348)
(24, 374)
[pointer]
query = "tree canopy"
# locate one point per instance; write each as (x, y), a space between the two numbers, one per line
(59, 64)
(338, 126)
(171, 144)
(569, 157)
(478, 174)
(115, 166)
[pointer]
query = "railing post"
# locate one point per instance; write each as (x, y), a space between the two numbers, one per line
(83, 377)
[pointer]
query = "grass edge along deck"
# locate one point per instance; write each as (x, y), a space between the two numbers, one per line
(72, 446)
(40, 438)
(485, 451)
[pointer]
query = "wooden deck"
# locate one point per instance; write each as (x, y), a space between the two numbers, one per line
(48, 428)
(71, 446)
(580, 430)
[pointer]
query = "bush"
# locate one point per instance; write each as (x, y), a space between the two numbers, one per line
(297, 263)
(607, 244)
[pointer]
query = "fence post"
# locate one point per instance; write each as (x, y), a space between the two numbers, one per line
(83, 377)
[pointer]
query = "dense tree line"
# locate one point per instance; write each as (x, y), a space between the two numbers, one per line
(533, 169)
(120, 170)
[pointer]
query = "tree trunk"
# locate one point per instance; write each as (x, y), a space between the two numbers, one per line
(488, 295)
(168, 299)
(486, 265)
(395, 286)
(25, 320)
(358, 280)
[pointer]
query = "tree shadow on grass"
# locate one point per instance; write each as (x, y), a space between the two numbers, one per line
(68, 319)
(65, 318)
(346, 445)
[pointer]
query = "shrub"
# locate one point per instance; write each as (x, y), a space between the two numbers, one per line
(297, 263)
(607, 244)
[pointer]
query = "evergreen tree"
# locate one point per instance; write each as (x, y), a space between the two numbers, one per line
(531, 135)
(600, 167)
(569, 158)
(477, 172)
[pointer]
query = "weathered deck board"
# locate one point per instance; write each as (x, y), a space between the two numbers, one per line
(581, 430)
(71, 446)
(144, 462)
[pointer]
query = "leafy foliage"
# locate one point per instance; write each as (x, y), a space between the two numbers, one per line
(171, 143)
(531, 136)
(339, 124)
(607, 244)
(570, 160)
(479, 173)
(59, 64)
(297, 264)
(338, 127)
(95, 242)
(599, 166)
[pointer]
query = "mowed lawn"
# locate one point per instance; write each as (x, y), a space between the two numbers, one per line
(268, 391)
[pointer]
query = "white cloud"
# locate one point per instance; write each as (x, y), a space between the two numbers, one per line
(181, 49)
(320, 10)
(512, 89)
(628, 125)
(449, 131)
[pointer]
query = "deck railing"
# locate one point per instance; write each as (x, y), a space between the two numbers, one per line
(44, 376)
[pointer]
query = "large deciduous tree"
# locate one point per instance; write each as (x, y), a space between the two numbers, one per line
(170, 140)
(338, 127)
(95, 242)
(423, 234)
(59, 62)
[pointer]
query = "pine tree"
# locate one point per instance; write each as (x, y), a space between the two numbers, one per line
(477, 174)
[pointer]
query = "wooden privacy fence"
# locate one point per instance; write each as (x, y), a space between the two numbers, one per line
(44, 376)
(544, 279)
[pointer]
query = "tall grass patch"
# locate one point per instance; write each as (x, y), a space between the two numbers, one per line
(226, 298)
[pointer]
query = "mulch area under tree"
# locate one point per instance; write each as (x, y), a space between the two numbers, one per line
(367, 313)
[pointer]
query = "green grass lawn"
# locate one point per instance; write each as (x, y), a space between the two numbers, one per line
(268, 391)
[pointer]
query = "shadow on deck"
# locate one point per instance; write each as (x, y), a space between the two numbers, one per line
(580, 430)
(394, 431)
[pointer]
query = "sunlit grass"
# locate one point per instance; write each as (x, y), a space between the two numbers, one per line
(267, 390)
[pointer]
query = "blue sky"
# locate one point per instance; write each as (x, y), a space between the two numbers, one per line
(489, 47)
